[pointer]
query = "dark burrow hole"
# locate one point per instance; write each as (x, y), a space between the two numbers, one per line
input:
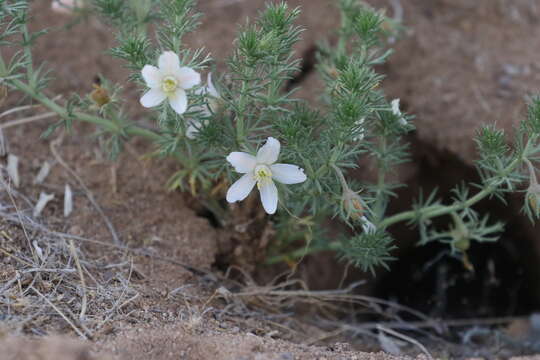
(430, 279)
(307, 65)
(208, 215)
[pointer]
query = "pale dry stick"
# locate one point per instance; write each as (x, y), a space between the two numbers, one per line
(33, 270)
(134, 297)
(77, 330)
(87, 191)
(27, 120)
(116, 305)
(3, 144)
(83, 327)
(325, 336)
(10, 283)
(406, 338)
(345, 274)
(89, 274)
(8, 191)
(140, 252)
(398, 10)
(14, 192)
(411, 325)
(125, 287)
(336, 295)
(19, 108)
(24, 107)
(15, 257)
(83, 283)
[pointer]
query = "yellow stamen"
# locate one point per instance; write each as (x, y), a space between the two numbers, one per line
(169, 84)
(262, 175)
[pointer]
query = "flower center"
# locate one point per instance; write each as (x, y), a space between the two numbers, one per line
(262, 175)
(169, 84)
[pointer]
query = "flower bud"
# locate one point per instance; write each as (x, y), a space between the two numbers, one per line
(461, 243)
(100, 95)
(532, 196)
(460, 235)
(352, 203)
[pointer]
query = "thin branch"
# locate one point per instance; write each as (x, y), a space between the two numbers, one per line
(83, 283)
(77, 330)
(87, 191)
(27, 120)
(406, 338)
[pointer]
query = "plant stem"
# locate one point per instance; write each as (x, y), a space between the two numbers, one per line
(427, 213)
(439, 210)
(303, 251)
(380, 197)
(63, 113)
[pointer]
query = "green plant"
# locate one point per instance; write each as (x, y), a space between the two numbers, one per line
(208, 128)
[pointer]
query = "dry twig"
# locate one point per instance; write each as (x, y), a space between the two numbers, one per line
(89, 194)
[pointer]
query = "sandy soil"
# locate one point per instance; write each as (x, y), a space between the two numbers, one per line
(455, 69)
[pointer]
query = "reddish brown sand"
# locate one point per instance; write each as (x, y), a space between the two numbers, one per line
(461, 64)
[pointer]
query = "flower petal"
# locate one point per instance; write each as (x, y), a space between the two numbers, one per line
(169, 63)
(288, 174)
(187, 77)
(211, 89)
(269, 197)
(178, 101)
(241, 188)
(151, 75)
(395, 107)
(153, 98)
(242, 162)
(269, 152)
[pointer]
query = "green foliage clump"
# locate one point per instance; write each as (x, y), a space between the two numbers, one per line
(355, 121)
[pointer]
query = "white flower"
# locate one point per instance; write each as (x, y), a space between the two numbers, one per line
(262, 171)
(397, 112)
(213, 98)
(169, 81)
(64, 6)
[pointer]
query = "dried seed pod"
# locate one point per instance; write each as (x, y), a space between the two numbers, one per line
(352, 203)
